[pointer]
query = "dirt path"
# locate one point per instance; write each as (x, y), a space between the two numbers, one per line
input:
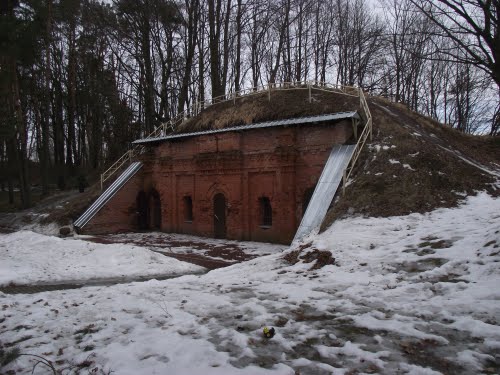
(206, 252)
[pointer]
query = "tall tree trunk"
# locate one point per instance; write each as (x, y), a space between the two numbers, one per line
(149, 96)
(192, 28)
(237, 76)
(44, 157)
(22, 143)
(71, 153)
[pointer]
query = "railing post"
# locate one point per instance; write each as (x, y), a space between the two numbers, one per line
(309, 87)
(102, 183)
(269, 91)
(371, 129)
(130, 155)
(344, 178)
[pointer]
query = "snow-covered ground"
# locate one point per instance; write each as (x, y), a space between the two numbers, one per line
(28, 258)
(417, 294)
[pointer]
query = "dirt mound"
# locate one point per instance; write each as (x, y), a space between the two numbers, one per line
(415, 164)
(61, 208)
(258, 108)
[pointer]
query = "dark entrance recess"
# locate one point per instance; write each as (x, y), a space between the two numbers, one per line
(155, 209)
(142, 210)
(307, 198)
(219, 216)
(266, 212)
(188, 209)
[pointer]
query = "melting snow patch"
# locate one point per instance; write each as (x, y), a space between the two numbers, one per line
(473, 359)
(417, 370)
(377, 148)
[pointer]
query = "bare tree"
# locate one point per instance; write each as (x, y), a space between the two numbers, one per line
(357, 38)
(473, 26)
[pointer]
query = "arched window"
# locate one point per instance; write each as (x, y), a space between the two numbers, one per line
(188, 209)
(266, 212)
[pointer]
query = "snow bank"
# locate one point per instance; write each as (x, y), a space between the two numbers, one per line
(27, 257)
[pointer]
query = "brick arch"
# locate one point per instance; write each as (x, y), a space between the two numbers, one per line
(217, 188)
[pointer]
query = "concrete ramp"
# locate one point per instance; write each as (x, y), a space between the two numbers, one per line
(108, 194)
(324, 192)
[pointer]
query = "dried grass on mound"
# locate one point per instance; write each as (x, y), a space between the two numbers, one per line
(257, 108)
(414, 173)
(71, 209)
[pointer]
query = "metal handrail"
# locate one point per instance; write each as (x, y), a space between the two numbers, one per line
(127, 157)
(197, 107)
(367, 131)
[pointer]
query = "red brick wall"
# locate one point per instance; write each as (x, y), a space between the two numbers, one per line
(120, 213)
(278, 163)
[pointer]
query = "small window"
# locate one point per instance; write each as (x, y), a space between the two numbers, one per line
(266, 212)
(188, 209)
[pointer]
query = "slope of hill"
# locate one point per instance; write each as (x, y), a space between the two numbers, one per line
(416, 165)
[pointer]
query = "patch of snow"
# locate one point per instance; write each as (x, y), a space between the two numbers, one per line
(407, 166)
(377, 147)
(392, 161)
(473, 359)
(417, 370)
(27, 257)
(354, 351)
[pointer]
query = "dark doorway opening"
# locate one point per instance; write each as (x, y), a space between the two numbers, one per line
(219, 216)
(188, 209)
(154, 210)
(142, 210)
(266, 212)
(306, 199)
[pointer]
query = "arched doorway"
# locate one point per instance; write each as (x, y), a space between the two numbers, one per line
(154, 210)
(219, 216)
(142, 210)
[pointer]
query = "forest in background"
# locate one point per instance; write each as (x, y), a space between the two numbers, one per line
(80, 79)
